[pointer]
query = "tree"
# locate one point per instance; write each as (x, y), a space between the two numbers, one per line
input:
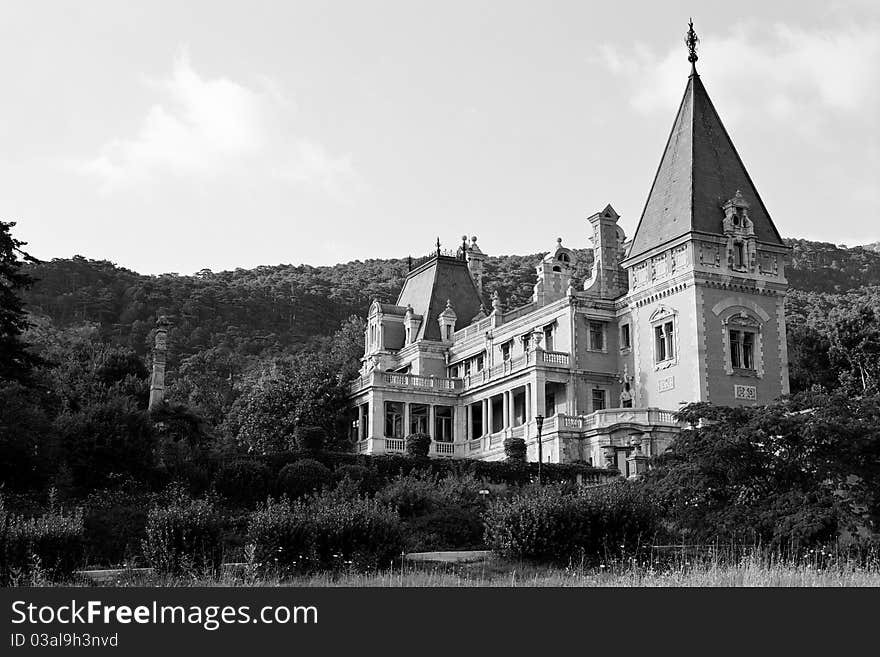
(794, 473)
(856, 345)
(16, 361)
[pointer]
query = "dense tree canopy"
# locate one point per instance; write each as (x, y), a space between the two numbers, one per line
(802, 470)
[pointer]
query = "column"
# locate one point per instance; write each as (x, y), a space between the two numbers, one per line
(406, 406)
(528, 402)
(377, 429)
(491, 421)
(469, 409)
(431, 421)
(505, 409)
(538, 394)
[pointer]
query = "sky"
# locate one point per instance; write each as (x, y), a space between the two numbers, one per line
(178, 136)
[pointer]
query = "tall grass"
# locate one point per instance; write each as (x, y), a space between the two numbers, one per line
(755, 568)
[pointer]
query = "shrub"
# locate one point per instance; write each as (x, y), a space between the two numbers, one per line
(323, 532)
(34, 549)
(556, 524)
(303, 477)
(183, 535)
(243, 481)
(281, 534)
(115, 524)
(359, 533)
(418, 445)
(515, 450)
(310, 439)
(438, 513)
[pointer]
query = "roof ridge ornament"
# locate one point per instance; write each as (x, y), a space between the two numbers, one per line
(691, 41)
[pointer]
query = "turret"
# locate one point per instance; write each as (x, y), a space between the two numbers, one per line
(608, 279)
(554, 275)
(475, 258)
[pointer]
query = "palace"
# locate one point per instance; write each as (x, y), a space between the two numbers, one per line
(690, 309)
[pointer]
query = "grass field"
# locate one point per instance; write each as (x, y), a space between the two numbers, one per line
(750, 571)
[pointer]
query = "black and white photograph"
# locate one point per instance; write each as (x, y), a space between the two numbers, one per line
(391, 294)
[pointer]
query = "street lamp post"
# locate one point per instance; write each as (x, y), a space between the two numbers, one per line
(539, 421)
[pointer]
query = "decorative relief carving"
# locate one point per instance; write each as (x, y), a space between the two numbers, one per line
(749, 393)
(665, 384)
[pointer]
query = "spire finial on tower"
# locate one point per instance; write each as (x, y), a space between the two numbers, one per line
(691, 41)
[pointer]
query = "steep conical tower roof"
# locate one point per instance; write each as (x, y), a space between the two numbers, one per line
(699, 171)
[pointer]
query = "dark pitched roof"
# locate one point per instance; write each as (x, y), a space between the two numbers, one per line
(429, 286)
(699, 171)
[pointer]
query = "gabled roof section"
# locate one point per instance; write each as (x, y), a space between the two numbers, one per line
(699, 171)
(428, 287)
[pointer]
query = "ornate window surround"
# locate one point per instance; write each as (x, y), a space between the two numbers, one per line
(738, 313)
(662, 315)
(743, 321)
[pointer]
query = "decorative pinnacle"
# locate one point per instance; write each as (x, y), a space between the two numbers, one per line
(691, 41)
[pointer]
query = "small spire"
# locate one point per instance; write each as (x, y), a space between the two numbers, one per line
(438, 246)
(691, 41)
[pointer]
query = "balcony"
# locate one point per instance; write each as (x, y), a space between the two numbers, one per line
(493, 444)
(537, 358)
(395, 379)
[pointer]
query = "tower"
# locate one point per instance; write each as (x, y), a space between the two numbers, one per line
(706, 271)
(160, 351)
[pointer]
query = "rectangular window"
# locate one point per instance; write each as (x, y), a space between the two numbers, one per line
(742, 350)
(467, 368)
(526, 339)
(418, 418)
(738, 255)
(735, 349)
(480, 363)
(748, 350)
(597, 336)
(505, 350)
(548, 337)
(624, 337)
(598, 399)
(660, 343)
(664, 341)
(443, 423)
(394, 419)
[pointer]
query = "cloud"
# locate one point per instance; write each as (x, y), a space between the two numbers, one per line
(211, 129)
(783, 72)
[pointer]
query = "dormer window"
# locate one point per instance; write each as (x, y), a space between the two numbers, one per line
(563, 257)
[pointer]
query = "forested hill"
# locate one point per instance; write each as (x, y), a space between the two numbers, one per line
(281, 308)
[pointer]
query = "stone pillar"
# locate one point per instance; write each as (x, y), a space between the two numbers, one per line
(490, 420)
(528, 401)
(637, 461)
(377, 425)
(431, 421)
(538, 394)
(469, 409)
(505, 409)
(160, 351)
(406, 411)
